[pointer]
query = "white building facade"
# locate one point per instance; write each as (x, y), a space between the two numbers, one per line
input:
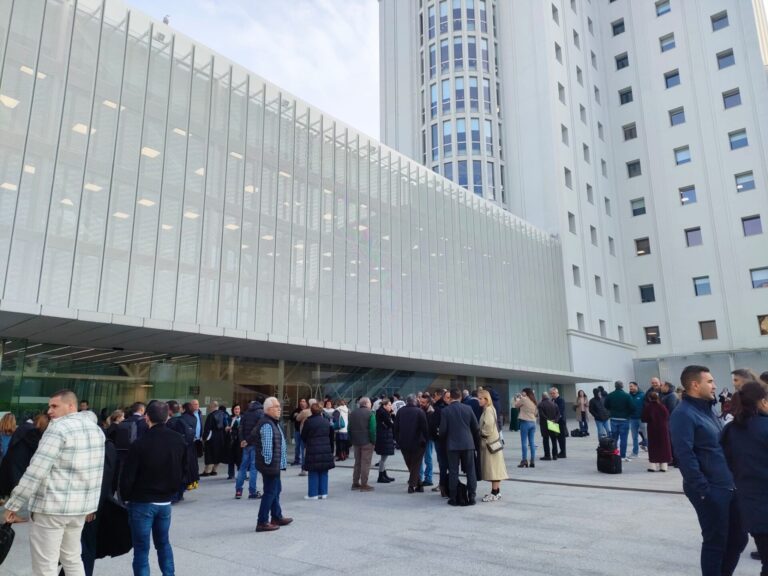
(635, 131)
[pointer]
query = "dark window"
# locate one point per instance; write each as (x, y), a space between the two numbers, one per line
(647, 293)
(652, 335)
(642, 246)
(708, 329)
(725, 59)
(745, 181)
(662, 7)
(638, 206)
(687, 195)
(633, 168)
(667, 42)
(677, 116)
(622, 61)
(630, 131)
(731, 98)
(625, 96)
(738, 139)
(618, 27)
(719, 20)
(693, 237)
(752, 225)
(672, 78)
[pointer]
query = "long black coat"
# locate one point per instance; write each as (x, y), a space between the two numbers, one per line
(411, 428)
(385, 433)
(216, 450)
(21, 448)
(317, 435)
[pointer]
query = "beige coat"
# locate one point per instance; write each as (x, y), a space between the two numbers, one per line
(492, 466)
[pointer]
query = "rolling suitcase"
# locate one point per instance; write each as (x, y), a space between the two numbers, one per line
(608, 457)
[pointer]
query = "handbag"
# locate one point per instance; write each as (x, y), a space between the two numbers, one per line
(6, 540)
(553, 427)
(495, 446)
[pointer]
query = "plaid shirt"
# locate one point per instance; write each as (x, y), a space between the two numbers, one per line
(64, 477)
(266, 446)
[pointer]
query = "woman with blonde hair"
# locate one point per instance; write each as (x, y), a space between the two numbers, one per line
(7, 428)
(492, 466)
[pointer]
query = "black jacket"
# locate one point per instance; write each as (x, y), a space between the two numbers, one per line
(560, 403)
(21, 448)
(249, 419)
(458, 427)
(598, 410)
(548, 411)
(411, 429)
(154, 466)
(385, 432)
(317, 436)
(433, 419)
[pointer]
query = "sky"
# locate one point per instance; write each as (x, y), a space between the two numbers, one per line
(326, 52)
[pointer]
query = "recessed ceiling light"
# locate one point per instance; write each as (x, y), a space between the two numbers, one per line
(200, 171)
(9, 186)
(191, 215)
(385, 237)
(244, 246)
(91, 187)
(327, 268)
(236, 155)
(149, 152)
(67, 202)
(166, 227)
(146, 202)
(363, 206)
(299, 246)
(110, 104)
(179, 131)
(374, 280)
(8, 102)
(81, 128)
(121, 215)
(29, 71)
(267, 237)
(232, 227)
(250, 189)
(353, 275)
(327, 254)
(362, 228)
(29, 169)
(327, 216)
(327, 191)
(284, 174)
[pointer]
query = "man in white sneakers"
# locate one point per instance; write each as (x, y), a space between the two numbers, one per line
(61, 487)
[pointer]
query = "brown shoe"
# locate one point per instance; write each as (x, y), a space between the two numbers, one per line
(355, 486)
(366, 488)
(267, 527)
(281, 521)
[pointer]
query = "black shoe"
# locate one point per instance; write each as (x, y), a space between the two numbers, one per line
(427, 483)
(561, 455)
(472, 502)
(382, 479)
(755, 555)
(546, 458)
(452, 503)
(411, 489)
(388, 477)
(420, 488)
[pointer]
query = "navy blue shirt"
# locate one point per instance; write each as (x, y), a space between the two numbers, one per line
(695, 432)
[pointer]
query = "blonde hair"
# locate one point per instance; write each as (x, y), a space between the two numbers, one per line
(114, 416)
(8, 424)
(485, 395)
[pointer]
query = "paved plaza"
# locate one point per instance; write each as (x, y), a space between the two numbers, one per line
(560, 518)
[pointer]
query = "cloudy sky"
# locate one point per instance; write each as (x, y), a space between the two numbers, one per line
(324, 51)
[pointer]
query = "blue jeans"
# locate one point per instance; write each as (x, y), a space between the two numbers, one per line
(528, 438)
(145, 519)
(270, 501)
(298, 449)
(634, 427)
(620, 432)
(317, 484)
(723, 538)
(247, 465)
(603, 428)
(426, 469)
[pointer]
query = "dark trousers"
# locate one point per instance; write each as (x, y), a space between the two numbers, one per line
(561, 437)
(762, 547)
(548, 439)
(413, 462)
(467, 460)
(723, 538)
(270, 501)
(442, 462)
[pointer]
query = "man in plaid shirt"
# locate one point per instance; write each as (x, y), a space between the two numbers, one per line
(61, 487)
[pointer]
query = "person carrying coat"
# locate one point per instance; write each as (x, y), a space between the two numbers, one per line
(412, 434)
(492, 466)
(385, 438)
(317, 437)
(216, 423)
(656, 416)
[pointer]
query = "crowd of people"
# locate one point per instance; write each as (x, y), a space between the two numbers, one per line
(99, 487)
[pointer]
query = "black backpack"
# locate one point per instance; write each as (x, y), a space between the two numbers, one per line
(607, 444)
(126, 434)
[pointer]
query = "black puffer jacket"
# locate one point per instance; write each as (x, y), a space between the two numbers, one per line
(249, 419)
(317, 434)
(385, 432)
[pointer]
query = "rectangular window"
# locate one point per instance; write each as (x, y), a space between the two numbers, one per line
(458, 53)
(662, 7)
(474, 96)
(630, 131)
(445, 56)
(621, 333)
(598, 286)
(618, 27)
(477, 177)
(461, 136)
(708, 329)
(647, 293)
(593, 57)
(487, 95)
(642, 246)
(583, 113)
(576, 41)
(456, 15)
(471, 53)
(731, 98)
(622, 61)
(585, 150)
(611, 246)
(638, 206)
(597, 94)
(593, 235)
(470, 14)
(490, 180)
(633, 169)
(682, 155)
(447, 139)
(590, 194)
(435, 143)
(443, 16)
(448, 170)
(446, 84)
(667, 42)
(604, 167)
(564, 134)
(576, 275)
(475, 123)
(672, 78)
(701, 286)
(579, 76)
(652, 335)
(431, 21)
(571, 223)
(555, 14)
(719, 20)
(463, 174)
(489, 137)
(738, 139)
(568, 177)
(693, 237)
(677, 116)
(759, 277)
(484, 54)
(607, 204)
(752, 225)
(616, 294)
(762, 323)
(483, 17)
(600, 131)
(459, 94)
(558, 53)
(432, 61)
(625, 95)
(433, 100)
(687, 195)
(745, 181)
(725, 59)
(590, 26)
(580, 321)
(561, 92)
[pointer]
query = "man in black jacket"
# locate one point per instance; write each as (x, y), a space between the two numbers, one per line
(548, 412)
(600, 413)
(181, 426)
(412, 434)
(248, 422)
(151, 477)
(554, 393)
(461, 434)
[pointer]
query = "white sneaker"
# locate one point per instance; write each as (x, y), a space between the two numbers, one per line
(491, 497)
(323, 496)
(627, 459)
(311, 497)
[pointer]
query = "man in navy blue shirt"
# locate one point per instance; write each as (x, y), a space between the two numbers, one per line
(707, 481)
